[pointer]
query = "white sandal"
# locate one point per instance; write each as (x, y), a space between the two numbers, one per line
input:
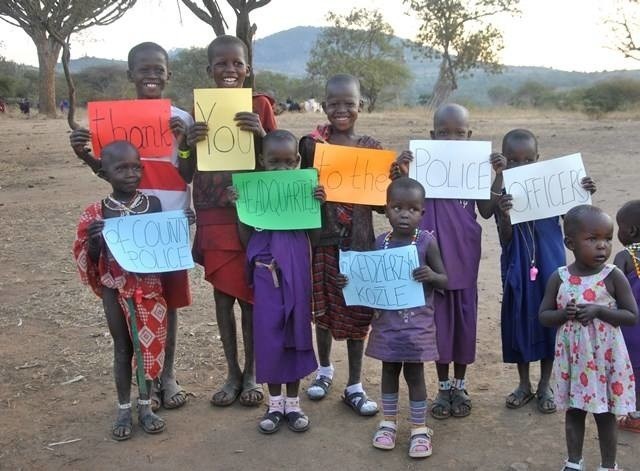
(615, 468)
(420, 444)
(571, 465)
(385, 436)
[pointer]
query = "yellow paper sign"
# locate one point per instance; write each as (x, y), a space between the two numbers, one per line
(226, 146)
(354, 174)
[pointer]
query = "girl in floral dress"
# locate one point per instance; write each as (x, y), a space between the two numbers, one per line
(588, 301)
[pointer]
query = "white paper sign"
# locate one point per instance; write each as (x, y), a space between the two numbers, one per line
(452, 169)
(545, 189)
(382, 279)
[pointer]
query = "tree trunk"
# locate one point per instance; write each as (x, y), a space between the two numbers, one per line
(48, 52)
(442, 89)
(245, 32)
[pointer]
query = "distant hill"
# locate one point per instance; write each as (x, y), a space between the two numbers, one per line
(287, 52)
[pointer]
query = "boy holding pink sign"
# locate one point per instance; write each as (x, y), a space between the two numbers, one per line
(346, 227)
(453, 222)
(164, 177)
(531, 252)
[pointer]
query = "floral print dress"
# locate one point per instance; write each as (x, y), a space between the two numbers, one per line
(592, 370)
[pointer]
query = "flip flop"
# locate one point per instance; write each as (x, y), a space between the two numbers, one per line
(226, 395)
(518, 398)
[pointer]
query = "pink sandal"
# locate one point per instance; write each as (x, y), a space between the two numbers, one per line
(385, 436)
(420, 444)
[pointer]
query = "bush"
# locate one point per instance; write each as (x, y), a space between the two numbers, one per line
(611, 95)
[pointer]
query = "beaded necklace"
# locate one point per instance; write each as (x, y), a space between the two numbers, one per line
(130, 207)
(633, 250)
(387, 239)
(533, 270)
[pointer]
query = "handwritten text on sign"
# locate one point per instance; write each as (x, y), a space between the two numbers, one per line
(144, 123)
(452, 169)
(382, 279)
(150, 243)
(354, 174)
(226, 147)
(545, 189)
(277, 200)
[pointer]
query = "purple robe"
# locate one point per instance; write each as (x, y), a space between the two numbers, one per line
(453, 223)
(632, 333)
(282, 335)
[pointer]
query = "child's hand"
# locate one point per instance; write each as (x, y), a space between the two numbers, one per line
(250, 122)
(400, 168)
(588, 184)
(232, 194)
(191, 216)
(178, 128)
(571, 310)
(586, 313)
(196, 133)
(341, 281)
(95, 232)
(423, 274)
(498, 162)
(505, 204)
(79, 140)
(319, 194)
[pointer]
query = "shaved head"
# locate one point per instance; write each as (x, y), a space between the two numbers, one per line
(580, 216)
(450, 111)
(114, 150)
(342, 80)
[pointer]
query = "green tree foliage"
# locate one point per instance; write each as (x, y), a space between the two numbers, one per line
(360, 43)
(50, 24)
(458, 33)
(610, 95)
(500, 94)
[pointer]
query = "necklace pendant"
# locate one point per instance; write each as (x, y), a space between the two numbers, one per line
(533, 273)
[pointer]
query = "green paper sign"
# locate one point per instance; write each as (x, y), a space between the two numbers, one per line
(278, 200)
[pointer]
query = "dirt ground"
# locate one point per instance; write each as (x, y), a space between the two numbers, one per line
(52, 330)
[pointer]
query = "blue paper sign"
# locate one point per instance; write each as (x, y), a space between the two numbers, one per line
(382, 279)
(150, 243)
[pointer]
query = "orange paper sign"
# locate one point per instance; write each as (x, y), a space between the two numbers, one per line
(354, 174)
(144, 123)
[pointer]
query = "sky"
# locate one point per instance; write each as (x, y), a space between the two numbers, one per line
(563, 34)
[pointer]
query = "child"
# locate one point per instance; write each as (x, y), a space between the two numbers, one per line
(217, 246)
(531, 253)
(628, 260)
(280, 267)
(404, 339)
(588, 301)
(122, 168)
(165, 178)
(453, 222)
(344, 227)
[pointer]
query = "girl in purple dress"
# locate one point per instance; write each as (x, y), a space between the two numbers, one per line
(404, 339)
(628, 260)
(280, 271)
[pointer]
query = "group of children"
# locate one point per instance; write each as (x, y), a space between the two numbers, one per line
(294, 278)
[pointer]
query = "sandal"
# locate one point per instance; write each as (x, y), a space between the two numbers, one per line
(358, 401)
(518, 398)
(271, 422)
(420, 444)
(319, 388)
(630, 424)
(122, 424)
(615, 468)
(385, 436)
(460, 403)
(545, 401)
(177, 396)
(249, 399)
(569, 465)
(441, 407)
(149, 421)
(226, 395)
(154, 395)
(297, 421)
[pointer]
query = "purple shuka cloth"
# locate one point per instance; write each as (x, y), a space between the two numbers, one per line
(632, 333)
(281, 315)
(453, 223)
(405, 335)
